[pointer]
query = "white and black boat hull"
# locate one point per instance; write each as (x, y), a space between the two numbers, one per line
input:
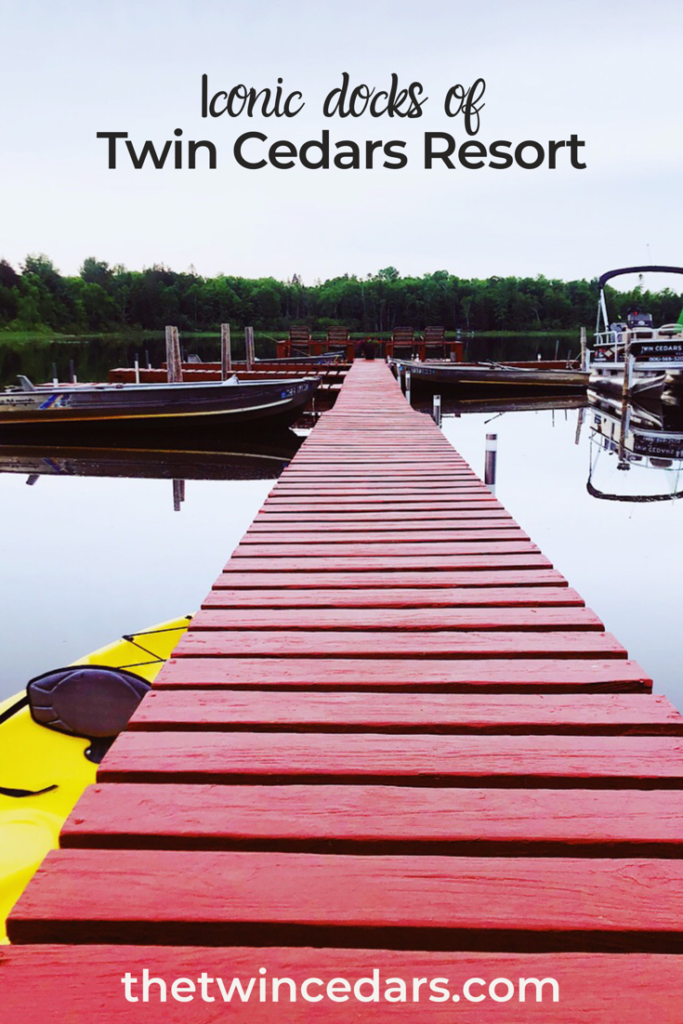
(168, 405)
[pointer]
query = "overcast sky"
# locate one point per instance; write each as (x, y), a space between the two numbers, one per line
(612, 73)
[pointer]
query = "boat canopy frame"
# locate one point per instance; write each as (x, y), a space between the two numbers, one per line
(620, 272)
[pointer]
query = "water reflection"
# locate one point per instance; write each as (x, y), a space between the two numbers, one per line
(94, 547)
(196, 457)
(625, 557)
(647, 443)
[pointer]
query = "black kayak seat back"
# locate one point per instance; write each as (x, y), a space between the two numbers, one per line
(85, 700)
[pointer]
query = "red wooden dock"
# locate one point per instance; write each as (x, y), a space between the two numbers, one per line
(393, 736)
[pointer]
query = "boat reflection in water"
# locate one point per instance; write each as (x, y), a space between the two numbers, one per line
(500, 405)
(643, 441)
(200, 456)
(647, 443)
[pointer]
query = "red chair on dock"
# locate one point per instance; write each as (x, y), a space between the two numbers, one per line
(340, 338)
(401, 338)
(435, 339)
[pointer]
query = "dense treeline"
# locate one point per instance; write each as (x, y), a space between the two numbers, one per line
(103, 298)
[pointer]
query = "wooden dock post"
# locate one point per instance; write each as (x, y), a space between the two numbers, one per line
(178, 494)
(436, 410)
(584, 350)
(173, 362)
(249, 346)
(491, 455)
(226, 354)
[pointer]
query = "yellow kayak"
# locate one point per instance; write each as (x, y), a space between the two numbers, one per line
(43, 771)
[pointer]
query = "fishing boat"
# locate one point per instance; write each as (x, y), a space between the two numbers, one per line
(52, 737)
(635, 348)
(463, 377)
(230, 401)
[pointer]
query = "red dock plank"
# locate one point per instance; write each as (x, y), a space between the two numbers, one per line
(485, 512)
(433, 713)
(398, 619)
(225, 898)
(488, 675)
(402, 549)
(595, 988)
(396, 597)
(347, 819)
(391, 562)
(302, 644)
(552, 761)
(389, 579)
(310, 533)
(464, 521)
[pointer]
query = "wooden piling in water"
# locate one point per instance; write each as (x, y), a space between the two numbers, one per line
(226, 353)
(173, 361)
(249, 347)
(584, 350)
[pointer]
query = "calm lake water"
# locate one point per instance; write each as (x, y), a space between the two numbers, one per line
(624, 557)
(86, 558)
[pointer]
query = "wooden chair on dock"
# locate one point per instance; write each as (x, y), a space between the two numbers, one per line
(340, 338)
(299, 337)
(435, 336)
(403, 338)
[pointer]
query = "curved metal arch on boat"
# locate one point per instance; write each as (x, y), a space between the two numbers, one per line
(604, 278)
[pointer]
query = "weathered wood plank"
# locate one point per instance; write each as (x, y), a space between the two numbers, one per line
(309, 534)
(503, 576)
(377, 819)
(517, 761)
(433, 713)
(390, 562)
(595, 988)
(286, 549)
(397, 619)
(270, 522)
(488, 675)
(382, 501)
(428, 488)
(510, 904)
(374, 508)
(302, 644)
(483, 513)
(396, 597)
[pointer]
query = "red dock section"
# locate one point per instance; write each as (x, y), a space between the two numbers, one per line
(393, 737)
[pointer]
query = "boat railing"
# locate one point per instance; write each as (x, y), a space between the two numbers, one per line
(660, 348)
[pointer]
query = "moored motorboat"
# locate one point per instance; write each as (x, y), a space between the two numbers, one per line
(634, 347)
(492, 376)
(650, 384)
(230, 401)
